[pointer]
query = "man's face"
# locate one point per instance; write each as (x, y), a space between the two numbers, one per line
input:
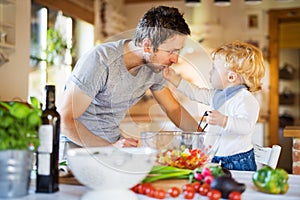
(166, 54)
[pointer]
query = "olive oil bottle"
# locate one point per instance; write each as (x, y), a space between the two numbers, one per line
(48, 151)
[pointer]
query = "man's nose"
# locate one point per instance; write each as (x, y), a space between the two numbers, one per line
(174, 58)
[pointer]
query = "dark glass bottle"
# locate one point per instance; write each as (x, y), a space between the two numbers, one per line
(47, 153)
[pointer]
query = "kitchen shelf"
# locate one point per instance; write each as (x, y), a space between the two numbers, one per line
(7, 24)
(7, 46)
(7, 1)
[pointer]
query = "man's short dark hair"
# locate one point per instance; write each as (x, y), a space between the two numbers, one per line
(159, 24)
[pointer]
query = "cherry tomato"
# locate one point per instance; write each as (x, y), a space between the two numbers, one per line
(135, 188)
(160, 194)
(196, 185)
(204, 188)
(189, 194)
(174, 192)
(214, 194)
(150, 191)
(142, 188)
(235, 195)
(188, 187)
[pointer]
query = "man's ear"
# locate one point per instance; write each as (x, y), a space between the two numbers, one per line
(147, 45)
(231, 76)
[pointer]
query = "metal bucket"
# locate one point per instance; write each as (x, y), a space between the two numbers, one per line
(15, 170)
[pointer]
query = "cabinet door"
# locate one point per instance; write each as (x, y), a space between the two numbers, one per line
(277, 18)
(284, 79)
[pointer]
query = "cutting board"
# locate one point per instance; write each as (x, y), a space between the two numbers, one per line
(162, 184)
(69, 180)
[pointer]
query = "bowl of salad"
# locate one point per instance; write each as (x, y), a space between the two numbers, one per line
(186, 150)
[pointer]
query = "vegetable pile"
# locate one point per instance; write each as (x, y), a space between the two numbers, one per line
(273, 181)
(183, 158)
(200, 182)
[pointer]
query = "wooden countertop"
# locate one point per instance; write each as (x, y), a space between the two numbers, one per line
(291, 131)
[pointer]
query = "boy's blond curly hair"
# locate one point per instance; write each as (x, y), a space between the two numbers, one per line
(244, 59)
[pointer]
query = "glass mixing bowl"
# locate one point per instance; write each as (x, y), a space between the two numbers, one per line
(188, 150)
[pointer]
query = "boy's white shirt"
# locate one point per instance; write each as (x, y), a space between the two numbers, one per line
(242, 110)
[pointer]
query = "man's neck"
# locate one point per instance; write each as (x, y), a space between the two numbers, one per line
(133, 57)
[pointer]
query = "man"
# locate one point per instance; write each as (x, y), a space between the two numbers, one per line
(113, 76)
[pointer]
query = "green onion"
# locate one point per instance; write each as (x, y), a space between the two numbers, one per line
(167, 172)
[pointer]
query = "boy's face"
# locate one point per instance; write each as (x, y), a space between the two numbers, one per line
(166, 54)
(219, 73)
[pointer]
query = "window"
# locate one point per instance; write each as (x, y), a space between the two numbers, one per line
(50, 51)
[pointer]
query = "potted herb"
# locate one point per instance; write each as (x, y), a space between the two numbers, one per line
(19, 124)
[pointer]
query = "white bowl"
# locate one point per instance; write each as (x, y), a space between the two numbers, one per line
(110, 168)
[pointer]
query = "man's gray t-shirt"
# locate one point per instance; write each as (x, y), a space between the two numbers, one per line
(102, 75)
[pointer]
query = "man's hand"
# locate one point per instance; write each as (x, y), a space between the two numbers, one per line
(126, 142)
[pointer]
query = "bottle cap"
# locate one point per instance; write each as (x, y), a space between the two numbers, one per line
(50, 87)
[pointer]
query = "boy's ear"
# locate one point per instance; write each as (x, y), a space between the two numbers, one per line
(147, 45)
(231, 76)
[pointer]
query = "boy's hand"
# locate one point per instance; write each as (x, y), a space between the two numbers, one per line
(216, 118)
(172, 76)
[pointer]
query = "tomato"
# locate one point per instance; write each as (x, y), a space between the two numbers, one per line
(188, 194)
(140, 189)
(150, 191)
(214, 194)
(188, 187)
(235, 195)
(160, 194)
(135, 188)
(174, 192)
(204, 188)
(143, 187)
(196, 185)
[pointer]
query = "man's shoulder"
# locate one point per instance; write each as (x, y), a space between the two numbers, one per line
(110, 44)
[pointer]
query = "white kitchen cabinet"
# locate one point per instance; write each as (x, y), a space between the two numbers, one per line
(7, 24)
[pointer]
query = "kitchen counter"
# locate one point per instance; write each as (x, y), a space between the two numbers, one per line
(74, 192)
(292, 131)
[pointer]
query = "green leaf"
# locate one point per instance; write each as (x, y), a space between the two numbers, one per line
(19, 124)
(34, 102)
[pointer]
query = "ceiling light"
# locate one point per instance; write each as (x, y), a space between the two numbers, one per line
(192, 3)
(222, 2)
(253, 2)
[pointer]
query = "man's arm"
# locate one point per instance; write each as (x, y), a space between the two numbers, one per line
(179, 115)
(74, 103)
